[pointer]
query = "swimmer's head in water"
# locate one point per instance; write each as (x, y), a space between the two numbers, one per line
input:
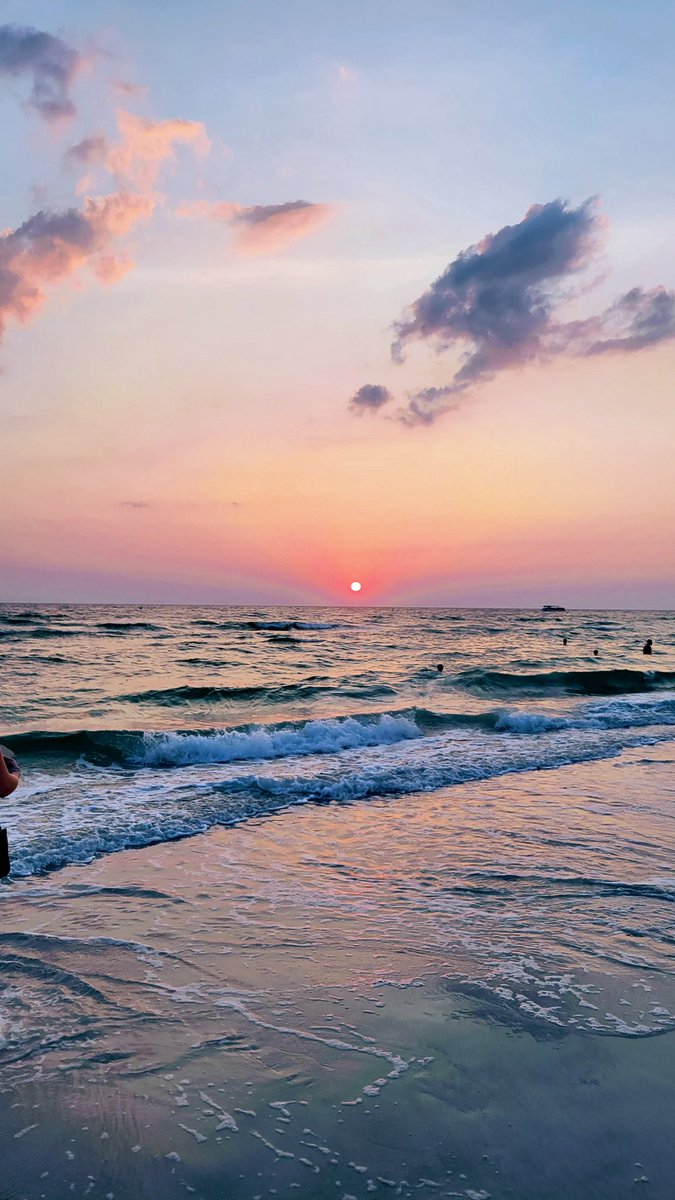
(439, 666)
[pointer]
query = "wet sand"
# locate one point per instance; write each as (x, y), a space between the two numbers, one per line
(264, 1010)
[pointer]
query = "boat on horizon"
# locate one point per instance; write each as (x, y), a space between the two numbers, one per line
(553, 608)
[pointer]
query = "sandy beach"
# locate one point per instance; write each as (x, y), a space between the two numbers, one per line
(277, 1009)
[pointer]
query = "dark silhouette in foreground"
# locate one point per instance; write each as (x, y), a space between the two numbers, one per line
(647, 648)
(9, 773)
(9, 781)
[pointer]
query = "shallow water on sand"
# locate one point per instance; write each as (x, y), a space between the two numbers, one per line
(310, 1003)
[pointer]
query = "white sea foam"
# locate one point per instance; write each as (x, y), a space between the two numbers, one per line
(616, 713)
(314, 737)
(334, 760)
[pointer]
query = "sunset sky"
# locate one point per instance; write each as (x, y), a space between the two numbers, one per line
(295, 294)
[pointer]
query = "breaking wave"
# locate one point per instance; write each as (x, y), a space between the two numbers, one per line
(332, 735)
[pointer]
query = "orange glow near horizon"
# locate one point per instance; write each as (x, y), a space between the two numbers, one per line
(482, 505)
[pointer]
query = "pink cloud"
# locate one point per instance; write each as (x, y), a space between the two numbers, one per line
(114, 215)
(110, 267)
(263, 228)
(146, 145)
(51, 247)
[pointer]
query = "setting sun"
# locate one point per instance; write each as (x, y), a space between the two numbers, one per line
(356, 587)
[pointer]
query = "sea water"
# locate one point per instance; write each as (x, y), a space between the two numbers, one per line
(139, 725)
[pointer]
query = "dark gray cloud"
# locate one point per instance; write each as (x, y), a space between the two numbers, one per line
(498, 301)
(370, 398)
(497, 296)
(48, 61)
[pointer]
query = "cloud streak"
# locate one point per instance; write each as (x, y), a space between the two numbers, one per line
(48, 61)
(498, 303)
(263, 228)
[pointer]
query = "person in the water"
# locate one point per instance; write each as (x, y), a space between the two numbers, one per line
(564, 641)
(596, 653)
(439, 667)
(647, 648)
(9, 774)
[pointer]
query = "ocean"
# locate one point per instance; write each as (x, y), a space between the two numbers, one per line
(398, 845)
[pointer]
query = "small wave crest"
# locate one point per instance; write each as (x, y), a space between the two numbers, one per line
(29, 617)
(591, 683)
(288, 625)
(287, 692)
(41, 632)
(127, 626)
(282, 626)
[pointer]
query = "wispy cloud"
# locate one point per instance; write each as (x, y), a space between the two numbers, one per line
(263, 228)
(50, 64)
(498, 302)
(636, 320)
